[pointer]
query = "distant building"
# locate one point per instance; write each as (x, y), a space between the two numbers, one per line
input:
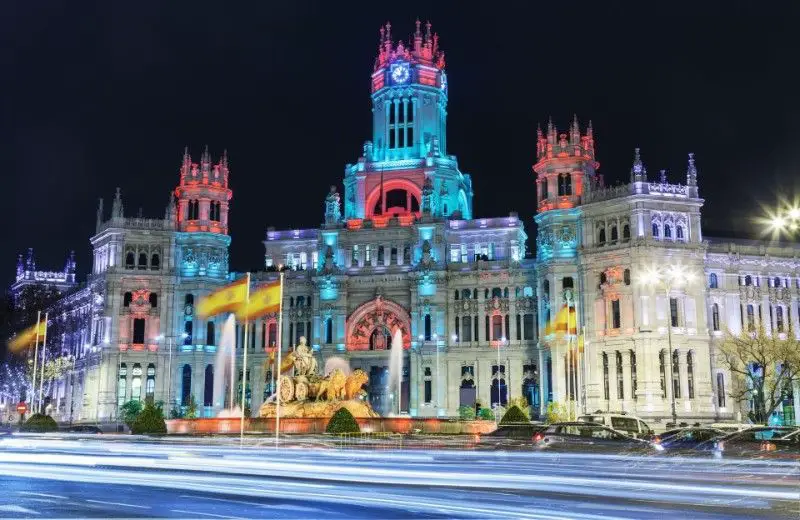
(404, 252)
(27, 276)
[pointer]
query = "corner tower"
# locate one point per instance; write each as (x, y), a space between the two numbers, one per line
(203, 199)
(409, 137)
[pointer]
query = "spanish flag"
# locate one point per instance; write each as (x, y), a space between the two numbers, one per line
(264, 300)
(27, 337)
(230, 298)
(565, 322)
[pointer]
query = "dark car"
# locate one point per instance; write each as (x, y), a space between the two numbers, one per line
(688, 438)
(583, 436)
(760, 442)
(513, 435)
(82, 428)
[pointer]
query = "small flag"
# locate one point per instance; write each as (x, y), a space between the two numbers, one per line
(27, 337)
(264, 300)
(565, 322)
(230, 298)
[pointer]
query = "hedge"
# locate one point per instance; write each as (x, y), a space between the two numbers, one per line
(40, 423)
(149, 421)
(514, 416)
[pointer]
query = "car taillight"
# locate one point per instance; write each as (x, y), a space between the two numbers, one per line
(720, 445)
(768, 446)
(538, 437)
(656, 440)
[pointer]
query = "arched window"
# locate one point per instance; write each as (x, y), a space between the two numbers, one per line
(130, 260)
(667, 231)
(626, 232)
(142, 261)
(626, 276)
(601, 237)
(210, 336)
(505, 292)
(208, 390)
(150, 387)
(714, 316)
(127, 298)
(486, 294)
(466, 294)
(713, 282)
(544, 185)
(153, 299)
(428, 327)
(186, 385)
(751, 318)
(565, 184)
(606, 388)
(155, 262)
(777, 282)
(655, 230)
(497, 292)
(527, 291)
(380, 254)
(475, 294)
(546, 288)
(122, 384)
(188, 299)
(690, 373)
(301, 301)
(676, 375)
(662, 367)
(603, 278)
(138, 331)
(136, 383)
(328, 331)
(779, 318)
(614, 235)
(272, 334)
(567, 283)
(679, 232)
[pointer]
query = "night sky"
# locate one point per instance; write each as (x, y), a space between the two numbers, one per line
(95, 95)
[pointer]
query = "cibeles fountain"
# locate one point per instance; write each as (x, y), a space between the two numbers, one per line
(304, 392)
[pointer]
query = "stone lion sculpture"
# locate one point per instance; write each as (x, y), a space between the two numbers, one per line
(332, 387)
(354, 383)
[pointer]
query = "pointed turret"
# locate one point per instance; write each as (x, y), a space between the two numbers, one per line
(20, 267)
(99, 221)
(170, 213)
(30, 262)
(638, 171)
(69, 265)
(662, 176)
(202, 195)
(333, 208)
(116, 208)
(691, 172)
(574, 131)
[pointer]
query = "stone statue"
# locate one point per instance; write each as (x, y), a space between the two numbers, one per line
(305, 364)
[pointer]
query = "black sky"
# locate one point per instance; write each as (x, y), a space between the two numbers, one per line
(95, 95)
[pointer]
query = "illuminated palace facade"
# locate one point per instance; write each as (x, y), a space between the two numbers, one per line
(402, 251)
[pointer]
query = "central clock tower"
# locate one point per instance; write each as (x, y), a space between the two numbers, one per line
(409, 96)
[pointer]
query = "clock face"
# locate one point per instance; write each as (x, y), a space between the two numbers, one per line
(400, 73)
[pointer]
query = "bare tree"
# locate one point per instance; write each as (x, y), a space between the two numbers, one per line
(763, 368)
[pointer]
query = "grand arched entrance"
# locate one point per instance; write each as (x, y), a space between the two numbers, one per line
(370, 329)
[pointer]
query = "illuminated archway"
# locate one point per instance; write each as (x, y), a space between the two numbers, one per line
(377, 315)
(392, 188)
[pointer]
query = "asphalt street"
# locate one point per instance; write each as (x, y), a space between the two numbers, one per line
(71, 477)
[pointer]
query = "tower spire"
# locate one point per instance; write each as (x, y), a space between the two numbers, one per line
(691, 172)
(99, 221)
(20, 266)
(638, 171)
(30, 262)
(116, 207)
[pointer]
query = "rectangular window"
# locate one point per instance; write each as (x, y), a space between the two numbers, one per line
(455, 254)
(615, 315)
(428, 391)
(401, 138)
(355, 255)
(518, 326)
(497, 327)
(138, 331)
(466, 329)
(673, 311)
(410, 135)
(464, 258)
(367, 254)
(720, 390)
(528, 325)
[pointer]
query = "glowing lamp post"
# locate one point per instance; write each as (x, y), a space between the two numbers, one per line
(668, 278)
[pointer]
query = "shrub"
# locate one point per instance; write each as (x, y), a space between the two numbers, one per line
(522, 404)
(130, 411)
(466, 413)
(150, 421)
(557, 412)
(342, 422)
(486, 414)
(40, 423)
(514, 415)
(191, 409)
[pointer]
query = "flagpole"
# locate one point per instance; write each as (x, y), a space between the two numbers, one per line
(244, 361)
(278, 366)
(32, 397)
(581, 368)
(44, 356)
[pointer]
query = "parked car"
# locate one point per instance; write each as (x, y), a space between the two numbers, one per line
(762, 442)
(687, 438)
(733, 427)
(82, 428)
(588, 436)
(622, 422)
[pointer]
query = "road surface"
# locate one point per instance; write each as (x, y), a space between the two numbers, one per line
(74, 477)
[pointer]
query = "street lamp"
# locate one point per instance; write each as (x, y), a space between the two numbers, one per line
(170, 344)
(438, 380)
(672, 276)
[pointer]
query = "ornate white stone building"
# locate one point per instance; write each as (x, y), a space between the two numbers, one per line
(407, 254)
